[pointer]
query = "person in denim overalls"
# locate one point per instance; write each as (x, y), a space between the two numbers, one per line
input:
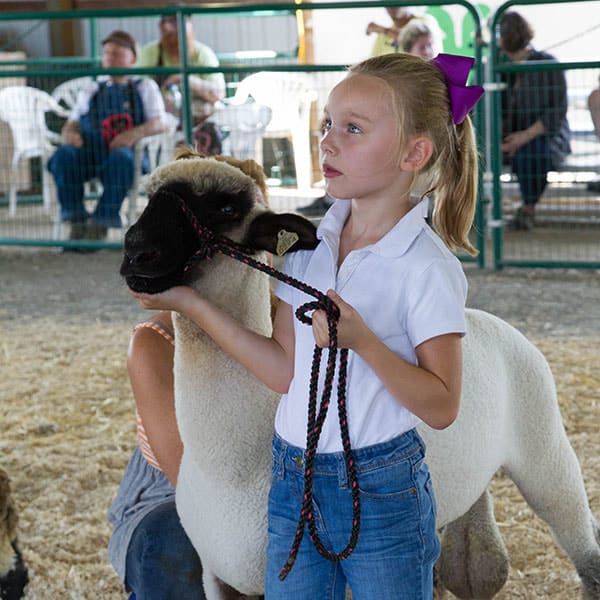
(108, 118)
(394, 122)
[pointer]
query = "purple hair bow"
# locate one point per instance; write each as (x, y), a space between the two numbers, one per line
(462, 97)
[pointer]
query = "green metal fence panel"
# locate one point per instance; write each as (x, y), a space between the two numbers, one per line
(565, 231)
(293, 173)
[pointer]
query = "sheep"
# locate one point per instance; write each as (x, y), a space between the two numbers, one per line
(509, 417)
(13, 572)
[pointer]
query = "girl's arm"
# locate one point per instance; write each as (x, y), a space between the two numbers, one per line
(430, 390)
(150, 367)
(270, 359)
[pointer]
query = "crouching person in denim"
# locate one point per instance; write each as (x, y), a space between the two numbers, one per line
(149, 548)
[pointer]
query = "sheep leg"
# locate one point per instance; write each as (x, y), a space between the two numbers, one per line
(474, 561)
(548, 475)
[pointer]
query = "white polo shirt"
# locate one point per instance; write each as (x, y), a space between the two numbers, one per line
(408, 288)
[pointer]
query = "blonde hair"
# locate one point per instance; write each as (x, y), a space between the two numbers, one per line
(422, 108)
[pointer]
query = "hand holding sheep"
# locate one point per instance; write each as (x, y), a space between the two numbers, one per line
(176, 298)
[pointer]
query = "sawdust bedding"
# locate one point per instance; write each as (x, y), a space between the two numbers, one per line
(67, 426)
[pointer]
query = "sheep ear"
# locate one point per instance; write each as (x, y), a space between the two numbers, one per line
(279, 233)
(183, 152)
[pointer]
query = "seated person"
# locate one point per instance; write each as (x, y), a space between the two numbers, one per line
(536, 133)
(205, 89)
(108, 118)
(147, 534)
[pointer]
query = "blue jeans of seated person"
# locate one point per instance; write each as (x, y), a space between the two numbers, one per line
(161, 561)
(397, 545)
(531, 164)
(72, 167)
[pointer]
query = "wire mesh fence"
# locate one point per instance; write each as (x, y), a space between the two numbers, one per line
(564, 228)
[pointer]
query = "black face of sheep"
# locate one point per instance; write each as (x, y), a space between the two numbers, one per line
(222, 198)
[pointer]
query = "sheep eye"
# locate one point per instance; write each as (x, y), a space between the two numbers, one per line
(229, 210)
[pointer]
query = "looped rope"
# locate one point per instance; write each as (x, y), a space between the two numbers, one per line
(211, 244)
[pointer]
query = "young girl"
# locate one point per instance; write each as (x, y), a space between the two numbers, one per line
(401, 295)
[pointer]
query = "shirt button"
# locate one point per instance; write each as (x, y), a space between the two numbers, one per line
(299, 461)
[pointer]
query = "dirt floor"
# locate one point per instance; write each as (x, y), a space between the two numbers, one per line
(67, 424)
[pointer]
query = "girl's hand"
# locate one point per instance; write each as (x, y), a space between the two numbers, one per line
(351, 329)
(176, 298)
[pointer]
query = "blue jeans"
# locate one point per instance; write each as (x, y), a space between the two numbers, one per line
(72, 167)
(397, 545)
(161, 561)
(531, 164)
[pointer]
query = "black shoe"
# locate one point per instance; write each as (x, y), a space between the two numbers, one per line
(593, 186)
(520, 222)
(316, 208)
(78, 250)
(95, 232)
(78, 230)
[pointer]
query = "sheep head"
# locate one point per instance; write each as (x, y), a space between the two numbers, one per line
(225, 195)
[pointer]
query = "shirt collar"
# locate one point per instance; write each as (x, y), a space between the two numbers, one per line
(395, 243)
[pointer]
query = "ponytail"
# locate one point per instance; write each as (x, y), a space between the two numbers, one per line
(456, 187)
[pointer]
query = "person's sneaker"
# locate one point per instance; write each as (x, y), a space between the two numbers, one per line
(95, 232)
(316, 208)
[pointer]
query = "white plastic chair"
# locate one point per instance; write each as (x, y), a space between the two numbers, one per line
(245, 124)
(289, 96)
(24, 109)
(66, 93)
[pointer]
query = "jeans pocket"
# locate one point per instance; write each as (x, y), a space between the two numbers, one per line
(389, 481)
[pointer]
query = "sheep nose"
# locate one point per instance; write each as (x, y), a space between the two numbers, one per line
(140, 257)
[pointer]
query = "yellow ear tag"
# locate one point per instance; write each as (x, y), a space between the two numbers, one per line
(285, 240)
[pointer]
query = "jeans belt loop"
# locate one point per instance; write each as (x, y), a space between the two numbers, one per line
(343, 481)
